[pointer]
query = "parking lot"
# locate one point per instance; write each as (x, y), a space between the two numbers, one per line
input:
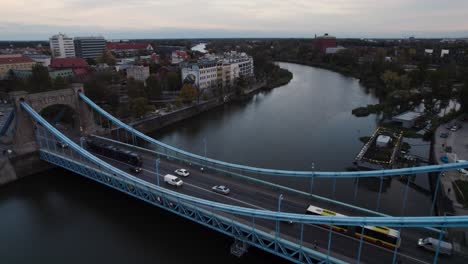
(454, 145)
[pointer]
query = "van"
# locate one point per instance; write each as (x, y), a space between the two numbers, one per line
(173, 180)
(431, 244)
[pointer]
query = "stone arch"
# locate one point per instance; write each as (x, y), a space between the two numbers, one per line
(24, 140)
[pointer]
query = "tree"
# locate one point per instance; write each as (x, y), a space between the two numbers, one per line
(463, 99)
(153, 88)
(107, 57)
(391, 80)
(60, 83)
(40, 80)
(139, 107)
(173, 81)
(91, 61)
(136, 89)
(188, 93)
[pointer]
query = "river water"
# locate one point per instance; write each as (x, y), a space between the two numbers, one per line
(59, 217)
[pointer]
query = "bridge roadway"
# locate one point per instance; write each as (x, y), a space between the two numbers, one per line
(251, 195)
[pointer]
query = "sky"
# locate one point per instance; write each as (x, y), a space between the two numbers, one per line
(128, 19)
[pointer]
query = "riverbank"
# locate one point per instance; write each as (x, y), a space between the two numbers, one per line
(156, 122)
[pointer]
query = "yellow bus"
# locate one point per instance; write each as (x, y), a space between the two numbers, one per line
(380, 235)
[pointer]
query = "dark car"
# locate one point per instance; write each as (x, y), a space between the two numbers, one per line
(444, 135)
(135, 169)
(61, 144)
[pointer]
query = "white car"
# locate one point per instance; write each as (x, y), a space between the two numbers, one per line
(182, 172)
(220, 189)
(173, 180)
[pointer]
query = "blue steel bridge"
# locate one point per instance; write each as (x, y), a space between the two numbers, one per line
(257, 213)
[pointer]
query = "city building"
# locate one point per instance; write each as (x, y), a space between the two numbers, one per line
(78, 65)
(214, 70)
(89, 47)
(42, 59)
(324, 42)
(178, 56)
(334, 50)
(408, 119)
(14, 62)
(25, 74)
(62, 46)
(128, 48)
(139, 73)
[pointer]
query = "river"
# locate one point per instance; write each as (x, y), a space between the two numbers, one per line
(59, 217)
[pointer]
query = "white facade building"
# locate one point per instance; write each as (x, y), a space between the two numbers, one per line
(62, 46)
(139, 73)
(215, 70)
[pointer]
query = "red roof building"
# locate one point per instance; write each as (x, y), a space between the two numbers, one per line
(78, 65)
(14, 62)
(325, 42)
(128, 47)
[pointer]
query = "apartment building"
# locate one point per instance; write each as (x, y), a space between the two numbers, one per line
(62, 46)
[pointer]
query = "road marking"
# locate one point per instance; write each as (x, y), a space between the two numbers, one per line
(262, 208)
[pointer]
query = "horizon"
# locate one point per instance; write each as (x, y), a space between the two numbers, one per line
(183, 19)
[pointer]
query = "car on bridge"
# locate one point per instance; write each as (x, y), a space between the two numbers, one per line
(221, 189)
(61, 144)
(182, 172)
(173, 180)
(135, 169)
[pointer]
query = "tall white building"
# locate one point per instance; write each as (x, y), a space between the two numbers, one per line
(62, 46)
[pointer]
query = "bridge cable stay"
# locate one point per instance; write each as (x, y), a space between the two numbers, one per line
(204, 161)
(406, 221)
(285, 173)
(199, 204)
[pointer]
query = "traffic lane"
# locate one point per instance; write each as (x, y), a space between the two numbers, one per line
(266, 204)
(206, 194)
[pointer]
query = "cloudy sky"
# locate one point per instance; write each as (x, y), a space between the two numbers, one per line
(38, 19)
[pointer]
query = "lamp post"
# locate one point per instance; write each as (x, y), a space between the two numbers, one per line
(157, 171)
(312, 178)
(204, 144)
(280, 198)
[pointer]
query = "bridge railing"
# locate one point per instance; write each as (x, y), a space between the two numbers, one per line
(75, 158)
(122, 132)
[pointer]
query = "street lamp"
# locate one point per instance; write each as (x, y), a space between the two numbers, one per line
(312, 178)
(280, 198)
(157, 171)
(204, 143)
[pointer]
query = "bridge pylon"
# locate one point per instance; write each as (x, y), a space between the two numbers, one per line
(24, 140)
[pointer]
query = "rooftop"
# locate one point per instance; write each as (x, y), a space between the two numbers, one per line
(408, 116)
(126, 45)
(68, 63)
(9, 60)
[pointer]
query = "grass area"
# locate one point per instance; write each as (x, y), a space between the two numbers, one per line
(460, 188)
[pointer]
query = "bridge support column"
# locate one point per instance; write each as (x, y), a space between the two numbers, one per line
(86, 118)
(239, 248)
(23, 140)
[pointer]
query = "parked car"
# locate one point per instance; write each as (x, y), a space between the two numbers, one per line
(61, 144)
(221, 189)
(182, 172)
(444, 135)
(432, 244)
(135, 169)
(173, 180)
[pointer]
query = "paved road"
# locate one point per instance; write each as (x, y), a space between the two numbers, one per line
(245, 194)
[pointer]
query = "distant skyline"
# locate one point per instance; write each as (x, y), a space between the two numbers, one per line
(119, 19)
